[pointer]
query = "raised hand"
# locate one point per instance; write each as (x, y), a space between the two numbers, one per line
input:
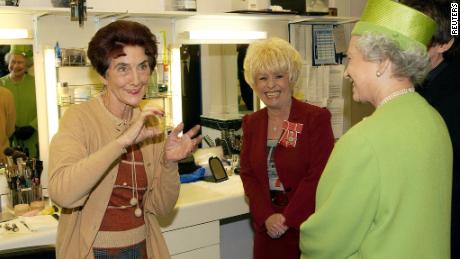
(178, 147)
(137, 131)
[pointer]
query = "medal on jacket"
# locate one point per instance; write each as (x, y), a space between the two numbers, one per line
(290, 132)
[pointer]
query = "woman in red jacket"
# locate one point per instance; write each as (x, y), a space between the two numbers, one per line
(285, 148)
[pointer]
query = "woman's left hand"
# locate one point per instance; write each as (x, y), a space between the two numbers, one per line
(177, 148)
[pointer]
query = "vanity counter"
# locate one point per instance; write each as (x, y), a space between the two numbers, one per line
(191, 230)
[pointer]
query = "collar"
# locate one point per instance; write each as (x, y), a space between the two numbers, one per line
(435, 72)
(119, 124)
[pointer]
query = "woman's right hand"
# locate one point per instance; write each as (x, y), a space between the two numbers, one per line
(137, 131)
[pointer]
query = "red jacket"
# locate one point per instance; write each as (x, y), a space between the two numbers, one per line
(298, 168)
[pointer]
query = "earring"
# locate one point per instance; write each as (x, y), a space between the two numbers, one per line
(378, 74)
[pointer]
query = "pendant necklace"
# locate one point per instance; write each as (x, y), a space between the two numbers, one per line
(396, 94)
(126, 115)
(135, 198)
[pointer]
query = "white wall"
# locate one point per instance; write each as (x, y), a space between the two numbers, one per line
(353, 111)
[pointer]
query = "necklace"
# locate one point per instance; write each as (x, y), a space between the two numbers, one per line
(135, 198)
(126, 113)
(396, 94)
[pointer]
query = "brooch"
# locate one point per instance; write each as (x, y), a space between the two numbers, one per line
(290, 132)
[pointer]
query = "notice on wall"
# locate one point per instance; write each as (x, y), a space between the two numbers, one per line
(336, 81)
(339, 39)
(320, 83)
(323, 44)
(336, 108)
(322, 86)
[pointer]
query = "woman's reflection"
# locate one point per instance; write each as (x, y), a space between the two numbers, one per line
(191, 85)
(245, 89)
(22, 86)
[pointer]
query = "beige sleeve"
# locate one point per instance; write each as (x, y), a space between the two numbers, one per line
(162, 195)
(10, 113)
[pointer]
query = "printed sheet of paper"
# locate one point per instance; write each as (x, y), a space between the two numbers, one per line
(336, 107)
(339, 39)
(336, 80)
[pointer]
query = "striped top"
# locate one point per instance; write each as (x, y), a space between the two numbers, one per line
(120, 227)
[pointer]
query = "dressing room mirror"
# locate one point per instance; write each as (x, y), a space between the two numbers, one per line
(215, 70)
(16, 74)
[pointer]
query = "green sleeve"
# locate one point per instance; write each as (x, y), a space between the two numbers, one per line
(34, 123)
(347, 200)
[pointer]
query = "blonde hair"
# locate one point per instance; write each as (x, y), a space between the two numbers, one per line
(272, 55)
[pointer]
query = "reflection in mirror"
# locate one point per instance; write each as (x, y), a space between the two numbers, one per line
(17, 76)
(191, 85)
(223, 68)
(245, 95)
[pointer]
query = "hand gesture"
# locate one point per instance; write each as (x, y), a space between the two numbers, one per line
(275, 225)
(177, 148)
(138, 132)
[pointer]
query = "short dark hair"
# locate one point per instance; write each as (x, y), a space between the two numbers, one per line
(109, 41)
(438, 10)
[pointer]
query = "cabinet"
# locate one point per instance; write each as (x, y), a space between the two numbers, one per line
(194, 241)
(77, 84)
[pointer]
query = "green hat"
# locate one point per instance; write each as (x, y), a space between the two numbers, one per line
(25, 50)
(401, 23)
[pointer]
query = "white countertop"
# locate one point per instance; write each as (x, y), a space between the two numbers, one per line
(198, 202)
(202, 201)
(41, 232)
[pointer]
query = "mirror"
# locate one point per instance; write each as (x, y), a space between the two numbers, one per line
(16, 74)
(245, 93)
(217, 169)
(216, 70)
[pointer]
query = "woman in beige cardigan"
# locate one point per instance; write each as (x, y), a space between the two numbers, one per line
(110, 172)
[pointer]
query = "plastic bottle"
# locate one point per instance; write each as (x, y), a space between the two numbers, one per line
(164, 86)
(64, 92)
(58, 54)
(152, 89)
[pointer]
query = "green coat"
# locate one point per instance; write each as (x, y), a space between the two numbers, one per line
(25, 103)
(386, 189)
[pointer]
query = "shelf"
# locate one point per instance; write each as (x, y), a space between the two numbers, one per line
(40, 11)
(291, 18)
(160, 95)
(323, 20)
(73, 66)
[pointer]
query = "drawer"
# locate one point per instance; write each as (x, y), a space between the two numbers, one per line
(192, 238)
(210, 252)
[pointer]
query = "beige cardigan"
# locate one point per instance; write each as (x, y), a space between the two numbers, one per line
(7, 118)
(83, 166)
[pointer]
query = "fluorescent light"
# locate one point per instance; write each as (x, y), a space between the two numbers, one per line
(14, 34)
(51, 95)
(227, 35)
(176, 89)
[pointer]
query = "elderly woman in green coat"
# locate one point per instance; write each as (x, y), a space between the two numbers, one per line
(386, 189)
